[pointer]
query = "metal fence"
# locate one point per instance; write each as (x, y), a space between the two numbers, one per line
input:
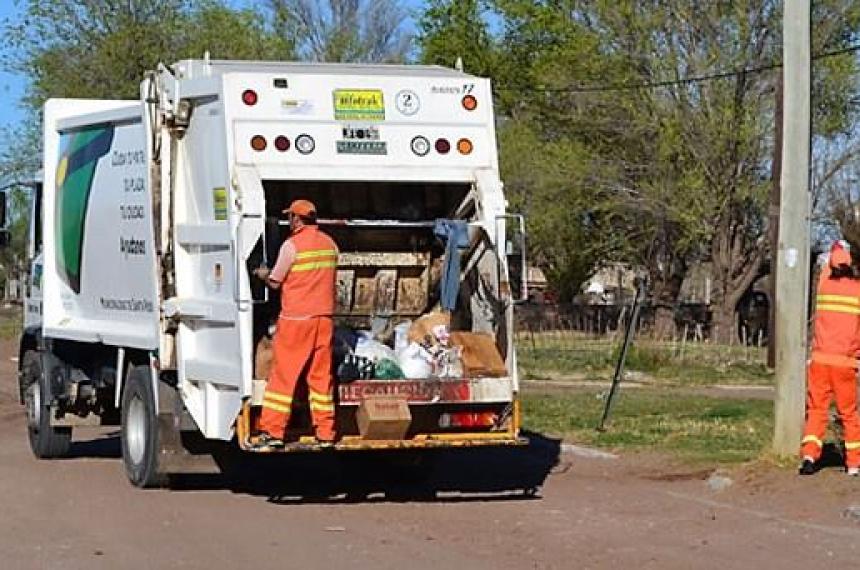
(591, 336)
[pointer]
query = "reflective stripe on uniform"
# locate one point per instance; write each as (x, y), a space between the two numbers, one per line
(812, 439)
(833, 308)
(278, 397)
(321, 402)
(316, 253)
(844, 299)
(312, 265)
(852, 445)
(284, 409)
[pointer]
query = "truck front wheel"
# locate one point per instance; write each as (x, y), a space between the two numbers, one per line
(140, 446)
(46, 442)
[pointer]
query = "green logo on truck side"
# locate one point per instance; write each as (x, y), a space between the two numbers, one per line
(79, 155)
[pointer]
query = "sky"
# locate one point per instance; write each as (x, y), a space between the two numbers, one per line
(12, 85)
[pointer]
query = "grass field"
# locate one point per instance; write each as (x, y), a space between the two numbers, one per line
(694, 428)
(10, 322)
(551, 356)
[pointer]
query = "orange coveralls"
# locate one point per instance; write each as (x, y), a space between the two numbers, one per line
(833, 366)
(304, 336)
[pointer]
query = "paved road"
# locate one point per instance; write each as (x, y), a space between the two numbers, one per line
(470, 513)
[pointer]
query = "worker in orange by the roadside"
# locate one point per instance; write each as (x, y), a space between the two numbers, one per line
(833, 365)
(305, 272)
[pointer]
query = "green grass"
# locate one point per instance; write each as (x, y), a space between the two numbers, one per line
(695, 364)
(11, 322)
(694, 428)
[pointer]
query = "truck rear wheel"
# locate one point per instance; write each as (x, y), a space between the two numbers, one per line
(46, 442)
(140, 445)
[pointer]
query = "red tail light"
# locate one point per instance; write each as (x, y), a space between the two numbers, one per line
(443, 146)
(249, 97)
(282, 143)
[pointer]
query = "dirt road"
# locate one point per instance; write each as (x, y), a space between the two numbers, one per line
(469, 513)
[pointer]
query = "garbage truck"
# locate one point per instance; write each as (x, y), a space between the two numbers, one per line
(151, 215)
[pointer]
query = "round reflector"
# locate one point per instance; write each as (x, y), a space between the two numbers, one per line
(258, 143)
(470, 103)
(464, 146)
(249, 97)
(420, 145)
(443, 146)
(305, 144)
(282, 143)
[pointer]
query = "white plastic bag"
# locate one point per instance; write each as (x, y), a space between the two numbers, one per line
(401, 336)
(373, 350)
(415, 362)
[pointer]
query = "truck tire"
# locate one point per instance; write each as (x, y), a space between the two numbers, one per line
(46, 442)
(140, 446)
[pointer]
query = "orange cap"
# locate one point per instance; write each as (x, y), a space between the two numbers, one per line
(839, 256)
(304, 208)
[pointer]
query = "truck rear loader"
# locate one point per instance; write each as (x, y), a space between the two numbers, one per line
(142, 309)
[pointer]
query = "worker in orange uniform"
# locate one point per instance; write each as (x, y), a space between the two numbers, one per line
(305, 272)
(833, 366)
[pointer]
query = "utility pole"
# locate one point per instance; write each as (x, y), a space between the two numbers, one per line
(773, 222)
(792, 278)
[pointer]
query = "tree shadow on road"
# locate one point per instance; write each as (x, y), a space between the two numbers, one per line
(451, 475)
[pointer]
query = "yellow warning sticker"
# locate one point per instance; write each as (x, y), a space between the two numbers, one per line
(359, 105)
(219, 204)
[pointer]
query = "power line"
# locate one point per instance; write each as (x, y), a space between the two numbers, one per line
(680, 81)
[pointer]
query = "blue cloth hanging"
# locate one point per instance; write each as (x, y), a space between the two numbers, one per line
(455, 234)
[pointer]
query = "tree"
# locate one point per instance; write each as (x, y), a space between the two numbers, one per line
(669, 173)
(358, 31)
(99, 49)
(457, 29)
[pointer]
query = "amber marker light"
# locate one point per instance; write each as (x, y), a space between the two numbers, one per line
(258, 143)
(470, 103)
(464, 146)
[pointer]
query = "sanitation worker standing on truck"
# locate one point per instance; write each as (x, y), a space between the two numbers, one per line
(833, 366)
(305, 272)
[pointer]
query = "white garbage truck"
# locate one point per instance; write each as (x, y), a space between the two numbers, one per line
(142, 309)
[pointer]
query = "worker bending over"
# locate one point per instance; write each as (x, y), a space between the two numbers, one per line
(833, 366)
(305, 272)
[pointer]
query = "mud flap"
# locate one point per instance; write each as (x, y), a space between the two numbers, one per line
(175, 435)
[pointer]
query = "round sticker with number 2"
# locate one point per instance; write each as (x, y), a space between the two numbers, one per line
(407, 102)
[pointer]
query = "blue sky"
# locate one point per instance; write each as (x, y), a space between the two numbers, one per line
(12, 86)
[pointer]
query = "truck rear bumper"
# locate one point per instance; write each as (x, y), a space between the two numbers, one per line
(429, 441)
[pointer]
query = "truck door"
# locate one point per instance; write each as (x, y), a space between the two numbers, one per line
(214, 234)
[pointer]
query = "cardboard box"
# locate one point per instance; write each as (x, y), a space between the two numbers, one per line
(383, 417)
(481, 357)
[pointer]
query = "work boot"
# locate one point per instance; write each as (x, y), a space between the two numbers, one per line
(854, 471)
(266, 442)
(807, 467)
(325, 443)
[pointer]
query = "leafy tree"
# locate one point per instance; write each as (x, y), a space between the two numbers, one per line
(458, 29)
(360, 31)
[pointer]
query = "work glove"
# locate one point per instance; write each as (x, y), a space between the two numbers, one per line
(262, 273)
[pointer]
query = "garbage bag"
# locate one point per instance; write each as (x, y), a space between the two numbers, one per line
(387, 369)
(374, 350)
(415, 362)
